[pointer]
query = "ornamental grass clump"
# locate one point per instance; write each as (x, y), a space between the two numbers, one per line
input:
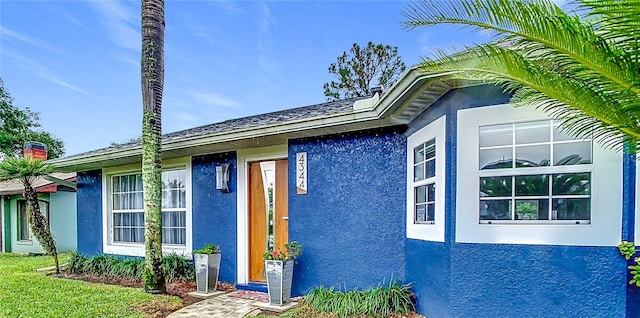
(291, 251)
(381, 301)
(175, 267)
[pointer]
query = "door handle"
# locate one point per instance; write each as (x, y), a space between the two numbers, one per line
(285, 218)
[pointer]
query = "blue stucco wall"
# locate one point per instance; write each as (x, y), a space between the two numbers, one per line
(214, 212)
(536, 281)
(89, 196)
(352, 221)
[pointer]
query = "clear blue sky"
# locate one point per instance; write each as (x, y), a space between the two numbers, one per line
(77, 62)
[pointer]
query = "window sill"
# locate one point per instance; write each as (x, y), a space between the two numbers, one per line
(138, 249)
(25, 242)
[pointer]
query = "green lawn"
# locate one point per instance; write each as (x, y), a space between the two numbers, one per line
(25, 293)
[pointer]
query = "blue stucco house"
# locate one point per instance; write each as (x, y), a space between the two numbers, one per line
(488, 210)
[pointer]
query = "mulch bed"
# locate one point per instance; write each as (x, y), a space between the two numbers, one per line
(154, 309)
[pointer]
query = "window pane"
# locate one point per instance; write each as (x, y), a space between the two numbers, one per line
(183, 198)
(431, 212)
(532, 209)
(421, 213)
(115, 184)
(499, 135)
(571, 209)
(560, 134)
(495, 209)
(418, 154)
(430, 167)
(537, 185)
(572, 183)
(23, 222)
(418, 172)
(533, 132)
(138, 182)
(421, 194)
(124, 183)
(496, 158)
(430, 149)
(573, 153)
(532, 156)
(495, 187)
(431, 192)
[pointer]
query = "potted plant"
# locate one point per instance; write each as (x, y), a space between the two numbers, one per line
(207, 265)
(279, 271)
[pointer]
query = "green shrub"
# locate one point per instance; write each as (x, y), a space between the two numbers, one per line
(175, 267)
(381, 301)
(208, 249)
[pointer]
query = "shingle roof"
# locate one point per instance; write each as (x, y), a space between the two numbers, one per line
(12, 187)
(278, 117)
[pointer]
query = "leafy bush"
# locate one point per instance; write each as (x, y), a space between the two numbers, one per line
(635, 273)
(175, 267)
(381, 301)
(627, 249)
(208, 249)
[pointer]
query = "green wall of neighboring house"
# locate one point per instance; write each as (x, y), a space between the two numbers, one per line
(62, 213)
(6, 231)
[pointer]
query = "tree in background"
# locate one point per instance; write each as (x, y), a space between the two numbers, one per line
(581, 68)
(360, 69)
(26, 170)
(18, 126)
(152, 70)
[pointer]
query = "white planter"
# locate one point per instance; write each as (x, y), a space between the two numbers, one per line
(279, 277)
(207, 269)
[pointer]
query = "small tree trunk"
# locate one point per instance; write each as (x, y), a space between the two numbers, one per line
(40, 226)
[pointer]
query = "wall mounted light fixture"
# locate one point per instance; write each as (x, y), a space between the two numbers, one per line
(222, 177)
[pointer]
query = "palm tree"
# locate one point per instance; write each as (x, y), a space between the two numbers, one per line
(152, 71)
(580, 67)
(26, 170)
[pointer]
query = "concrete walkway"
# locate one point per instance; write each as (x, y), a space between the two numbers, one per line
(224, 306)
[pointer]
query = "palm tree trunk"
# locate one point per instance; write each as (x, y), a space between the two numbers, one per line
(39, 225)
(152, 65)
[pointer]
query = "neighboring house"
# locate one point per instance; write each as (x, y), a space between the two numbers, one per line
(488, 210)
(57, 203)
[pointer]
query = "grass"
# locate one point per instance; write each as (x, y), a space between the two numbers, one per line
(26, 293)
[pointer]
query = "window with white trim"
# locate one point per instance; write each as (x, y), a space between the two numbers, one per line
(426, 182)
(128, 208)
(521, 180)
(533, 172)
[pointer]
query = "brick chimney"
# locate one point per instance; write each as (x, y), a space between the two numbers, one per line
(35, 150)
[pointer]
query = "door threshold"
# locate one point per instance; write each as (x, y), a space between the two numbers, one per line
(253, 286)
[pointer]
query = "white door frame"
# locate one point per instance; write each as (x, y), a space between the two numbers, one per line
(244, 157)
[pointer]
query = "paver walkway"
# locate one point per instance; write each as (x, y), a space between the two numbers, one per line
(227, 306)
(219, 307)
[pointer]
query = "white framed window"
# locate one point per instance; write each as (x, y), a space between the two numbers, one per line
(533, 172)
(426, 182)
(123, 216)
(522, 180)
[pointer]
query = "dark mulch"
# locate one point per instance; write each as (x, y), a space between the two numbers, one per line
(154, 309)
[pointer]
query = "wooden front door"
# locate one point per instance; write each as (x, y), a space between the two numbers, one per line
(268, 212)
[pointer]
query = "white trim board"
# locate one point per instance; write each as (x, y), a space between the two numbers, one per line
(244, 156)
(133, 249)
(428, 232)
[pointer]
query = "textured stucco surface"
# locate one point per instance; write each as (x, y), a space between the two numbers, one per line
(215, 212)
(537, 281)
(89, 194)
(352, 221)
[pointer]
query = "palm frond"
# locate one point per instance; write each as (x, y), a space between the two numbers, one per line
(534, 82)
(24, 169)
(540, 28)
